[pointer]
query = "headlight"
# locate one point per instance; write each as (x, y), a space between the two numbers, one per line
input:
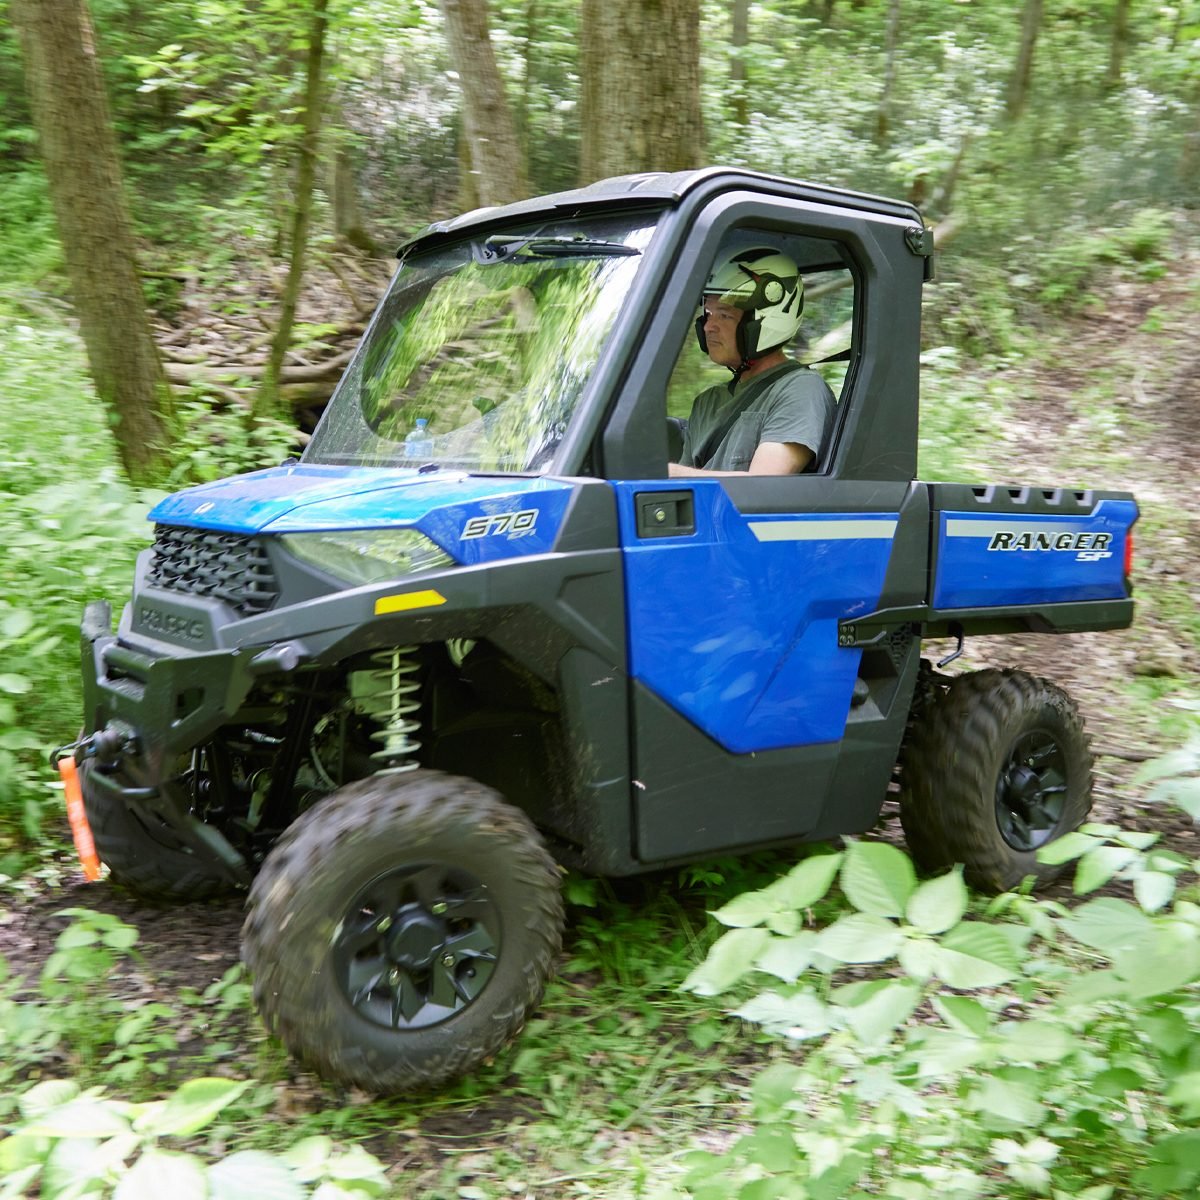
(369, 555)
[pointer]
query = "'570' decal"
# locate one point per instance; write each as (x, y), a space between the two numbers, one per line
(514, 524)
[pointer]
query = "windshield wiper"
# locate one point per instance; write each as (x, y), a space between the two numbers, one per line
(501, 247)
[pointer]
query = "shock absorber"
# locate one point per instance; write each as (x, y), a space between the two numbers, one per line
(392, 701)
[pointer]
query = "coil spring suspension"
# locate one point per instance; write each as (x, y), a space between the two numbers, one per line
(393, 703)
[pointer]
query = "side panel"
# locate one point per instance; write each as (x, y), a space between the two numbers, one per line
(1000, 558)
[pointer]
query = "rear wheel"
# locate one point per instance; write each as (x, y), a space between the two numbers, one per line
(997, 767)
(402, 930)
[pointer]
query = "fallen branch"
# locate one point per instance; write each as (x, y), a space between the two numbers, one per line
(330, 369)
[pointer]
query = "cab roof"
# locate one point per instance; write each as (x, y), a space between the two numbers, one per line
(667, 189)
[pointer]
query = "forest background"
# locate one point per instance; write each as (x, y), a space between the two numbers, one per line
(199, 201)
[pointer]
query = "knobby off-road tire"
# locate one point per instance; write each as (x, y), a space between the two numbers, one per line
(402, 930)
(138, 861)
(995, 768)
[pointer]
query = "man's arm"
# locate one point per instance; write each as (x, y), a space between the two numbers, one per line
(771, 458)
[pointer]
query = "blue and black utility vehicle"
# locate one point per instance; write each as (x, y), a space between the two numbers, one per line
(478, 631)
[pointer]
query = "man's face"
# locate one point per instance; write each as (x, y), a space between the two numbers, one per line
(721, 321)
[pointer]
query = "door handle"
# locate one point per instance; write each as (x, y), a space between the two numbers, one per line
(665, 514)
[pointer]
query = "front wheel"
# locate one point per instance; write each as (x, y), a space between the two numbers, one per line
(402, 930)
(996, 768)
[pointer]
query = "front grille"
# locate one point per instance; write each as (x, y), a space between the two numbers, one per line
(204, 562)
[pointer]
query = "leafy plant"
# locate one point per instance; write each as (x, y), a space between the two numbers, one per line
(72, 1143)
(1042, 1026)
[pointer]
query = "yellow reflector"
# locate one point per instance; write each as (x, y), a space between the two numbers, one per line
(406, 600)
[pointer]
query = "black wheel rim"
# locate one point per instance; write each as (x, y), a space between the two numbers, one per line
(417, 945)
(1031, 791)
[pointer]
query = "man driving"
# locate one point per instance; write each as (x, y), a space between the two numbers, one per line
(774, 416)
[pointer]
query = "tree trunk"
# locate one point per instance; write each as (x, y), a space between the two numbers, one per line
(79, 149)
(497, 170)
(883, 115)
(267, 399)
(343, 188)
(1116, 48)
(1018, 84)
(739, 40)
(639, 87)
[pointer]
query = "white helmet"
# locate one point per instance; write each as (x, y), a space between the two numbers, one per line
(768, 288)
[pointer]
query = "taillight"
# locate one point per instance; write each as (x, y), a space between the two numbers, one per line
(1128, 553)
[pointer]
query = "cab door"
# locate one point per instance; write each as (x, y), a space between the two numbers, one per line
(751, 724)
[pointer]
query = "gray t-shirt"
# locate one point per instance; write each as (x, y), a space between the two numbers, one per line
(790, 406)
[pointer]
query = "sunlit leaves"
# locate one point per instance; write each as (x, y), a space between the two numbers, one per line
(731, 956)
(938, 904)
(878, 878)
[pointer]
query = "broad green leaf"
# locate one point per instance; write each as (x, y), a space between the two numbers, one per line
(1139, 839)
(82, 1118)
(190, 1108)
(938, 904)
(1177, 762)
(769, 1148)
(774, 1087)
(347, 1191)
(354, 1167)
(1167, 1029)
(878, 1009)
(307, 1158)
(807, 882)
(1116, 1081)
(918, 958)
(1091, 986)
(965, 972)
(976, 954)
(1183, 793)
(961, 1012)
(878, 879)
(1109, 925)
(788, 958)
(1163, 965)
(1184, 1093)
(15, 685)
(860, 938)
(21, 1150)
(19, 1184)
(798, 1017)
(71, 1164)
(1002, 1104)
(946, 1053)
(47, 1095)
(252, 1175)
(163, 1175)
(17, 623)
(1154, 890)
(731, 956)
(1098, 866)
(784, 923)
(746, 910)
(1065, 848)
(1035, 1041)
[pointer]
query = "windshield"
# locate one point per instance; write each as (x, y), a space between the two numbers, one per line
(480, 351)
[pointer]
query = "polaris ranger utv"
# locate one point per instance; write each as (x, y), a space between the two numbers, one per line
(477, 631)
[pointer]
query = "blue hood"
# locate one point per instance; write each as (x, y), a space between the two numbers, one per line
(447, 506)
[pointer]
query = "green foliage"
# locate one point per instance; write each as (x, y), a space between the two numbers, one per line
(218, 441)
(1040, 1030)
(71, 1143)
(1070, 267)
(1176, 776)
